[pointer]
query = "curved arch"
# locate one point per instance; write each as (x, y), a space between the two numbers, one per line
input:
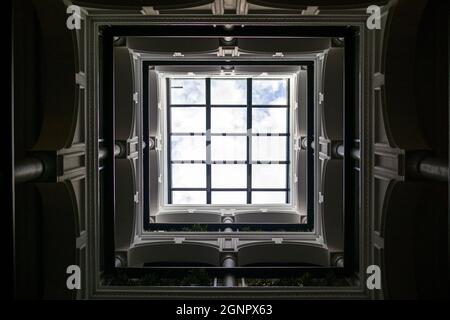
(198, 217)
(123, 91)
(330, 4)
(291, 253)
(400, 111)
(306, 45)
(268, 217)
(124, 217)
(333, 87)
(187, 253)
(58, 87)
(170, 45)
(60, 231)
(133, 4)
(332, 207)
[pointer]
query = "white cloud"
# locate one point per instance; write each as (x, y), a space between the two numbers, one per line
(269, 148)
(189, 197)
(229, 91)
(228, 197)
(269, 92)
(187, 91)
(228, 120)
(228, 148)
(263, 197)
(269, 120)
(269, 176)
(188, 148)
(229, 175)
(191, 119)
(188, 176)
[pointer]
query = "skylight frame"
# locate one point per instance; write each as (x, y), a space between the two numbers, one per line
(290, 161)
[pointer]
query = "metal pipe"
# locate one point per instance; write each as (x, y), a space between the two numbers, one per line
(33, 168)
(229, 279)
(355, 152)
(434, 169)
(28, 169)
(425, 167)
(339, 261)
(103, 152)
(228, 220)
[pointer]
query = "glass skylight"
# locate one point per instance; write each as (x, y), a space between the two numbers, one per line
(228, 91)
(269, 92)
(187, 91)
(229, 141)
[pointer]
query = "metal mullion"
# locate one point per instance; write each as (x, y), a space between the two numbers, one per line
(269, 162)
(228, 106)
(288, 128)
(169, 151)
(188, 134)
(208, 140)
(229, 189)
(187, 105)
(188, 189)
(271, 189)
(249, 140)
(262, 106)
(261, 134)
(224, 134)
(188, 161)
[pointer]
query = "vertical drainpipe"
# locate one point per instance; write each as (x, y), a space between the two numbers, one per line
(229, 260)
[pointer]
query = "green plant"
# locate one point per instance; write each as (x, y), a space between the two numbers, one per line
(197, 277)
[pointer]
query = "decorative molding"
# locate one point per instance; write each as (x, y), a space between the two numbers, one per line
(93, 285)
(389, 163)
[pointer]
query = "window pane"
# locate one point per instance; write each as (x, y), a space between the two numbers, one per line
(187, 91)
(228, 197)
(189, 197)
(228, 148)
(269, 148)
(229, 176)
(188, 176)
(188, 147)
(269, 120)
(269, 92)
(269, 176)
(229, 91)
(265, 197)
(228, 120)
(188, 119)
